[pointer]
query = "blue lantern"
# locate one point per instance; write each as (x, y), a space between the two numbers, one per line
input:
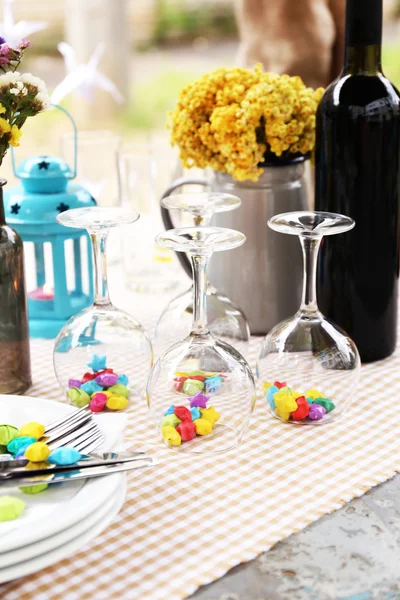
(58, 260)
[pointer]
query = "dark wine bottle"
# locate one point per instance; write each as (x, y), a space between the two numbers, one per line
(15, 367)
(358, 174)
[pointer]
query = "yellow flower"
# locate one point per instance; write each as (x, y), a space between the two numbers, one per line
(15, 136)
(5, 126)
(231, 119)
(2, 109)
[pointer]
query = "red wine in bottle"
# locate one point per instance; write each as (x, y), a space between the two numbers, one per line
(15, 366)
(358, 174)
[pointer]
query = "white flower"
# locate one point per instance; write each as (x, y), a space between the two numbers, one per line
(9, 79)
(14, 91)
(44, 99)
(32, 80)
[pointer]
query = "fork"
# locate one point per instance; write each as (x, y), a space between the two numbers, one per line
(85, 433)
(75, 429)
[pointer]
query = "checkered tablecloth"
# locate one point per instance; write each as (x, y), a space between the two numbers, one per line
(189, 520)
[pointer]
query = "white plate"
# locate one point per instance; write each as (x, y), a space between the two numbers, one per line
(60, 506)
(30, 551)
(59, 553)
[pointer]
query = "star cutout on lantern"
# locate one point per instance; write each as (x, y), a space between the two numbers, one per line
(43, 165)
(62, 207)
(98, 362)
(15, 209)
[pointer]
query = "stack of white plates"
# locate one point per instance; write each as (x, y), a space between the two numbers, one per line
(59, 521)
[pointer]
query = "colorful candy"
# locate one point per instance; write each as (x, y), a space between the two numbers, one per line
(183, 413)
(189, 422)
(192, 386)
(64, 456)
(279, 385)
(78, 397)
(210, 414)
(317, 412)
(187, 430)
(101, 389)
(34, 489)
(203, 427)
(195, 412)
(35, 430)
(7, 434)
(91, 387)
(171, 436)
(265, 386)
(178, 386)
(98, 362)
(191, 382)
(313, 394)
(107, 379)
(37, 452)
(123, 379)
(98, 402)
(326, 403)
(11, 508)
(302, 410)
(119, 389)
(171, 421)
(88, 377)
(21, 451)
(116, 402)
(199, 400)
(289, 404)
(284, 401)
(213, 384)
(74, 383)
(20, 442)
(270, 396)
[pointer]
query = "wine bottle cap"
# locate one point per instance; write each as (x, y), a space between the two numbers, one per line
(363, 22)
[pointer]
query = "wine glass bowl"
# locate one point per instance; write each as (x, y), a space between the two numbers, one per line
(201, 388)
(225, 319)
(314, 364)
(102, 336)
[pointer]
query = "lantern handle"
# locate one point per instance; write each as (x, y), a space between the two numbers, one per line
(74, 171)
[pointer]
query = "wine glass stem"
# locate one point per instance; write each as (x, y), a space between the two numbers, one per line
(202, 221)
(310, 247)
(99, 240)
(199, 266)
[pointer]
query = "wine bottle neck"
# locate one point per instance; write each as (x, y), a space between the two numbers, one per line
(2, 214)
(363, 36)
(363, 60)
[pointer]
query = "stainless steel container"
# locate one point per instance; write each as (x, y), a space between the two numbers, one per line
(264, 276)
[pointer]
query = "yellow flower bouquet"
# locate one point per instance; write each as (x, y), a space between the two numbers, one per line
(234, 120)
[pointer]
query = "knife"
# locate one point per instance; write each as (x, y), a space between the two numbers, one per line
(17, 468)
(73, 475)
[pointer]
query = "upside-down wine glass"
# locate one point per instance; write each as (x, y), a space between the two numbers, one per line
(201, 392)
(102, 336)
(308, 368)
(225, 319)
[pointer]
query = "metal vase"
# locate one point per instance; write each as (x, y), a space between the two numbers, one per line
(264, 276)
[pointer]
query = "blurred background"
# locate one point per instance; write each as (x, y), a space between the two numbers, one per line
(144, 52)
(152, 49)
